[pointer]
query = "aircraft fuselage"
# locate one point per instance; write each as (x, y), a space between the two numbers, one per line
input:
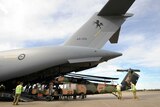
(17, 63)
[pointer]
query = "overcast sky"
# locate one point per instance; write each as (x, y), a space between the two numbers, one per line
(32, 23)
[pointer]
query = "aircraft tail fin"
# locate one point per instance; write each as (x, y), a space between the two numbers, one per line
(131, 76)
(103, 26)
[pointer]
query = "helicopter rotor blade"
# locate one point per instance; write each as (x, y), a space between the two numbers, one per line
(101, 77)
(88, 79)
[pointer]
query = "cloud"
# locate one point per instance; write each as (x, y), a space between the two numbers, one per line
(152, 84)
(144, 7)
(3, 11)
(42, 20)
(8, 46)
(23, 17)
(105, 68)
(141, 50)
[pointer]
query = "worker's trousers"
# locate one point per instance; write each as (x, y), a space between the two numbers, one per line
(16, 99)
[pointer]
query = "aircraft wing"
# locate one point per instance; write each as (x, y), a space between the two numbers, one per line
(116, 7)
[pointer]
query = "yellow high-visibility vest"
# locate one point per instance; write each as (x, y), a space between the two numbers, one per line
(19, 89)
(133, 87)
(118, 88)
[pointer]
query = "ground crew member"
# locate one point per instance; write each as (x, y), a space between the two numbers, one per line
(133, 88)
(118, 87)
(18, 92)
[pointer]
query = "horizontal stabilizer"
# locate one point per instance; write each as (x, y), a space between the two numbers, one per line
(80, 60)
(116, 7)
(114, 38)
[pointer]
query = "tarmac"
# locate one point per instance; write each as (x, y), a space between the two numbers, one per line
(146, 99)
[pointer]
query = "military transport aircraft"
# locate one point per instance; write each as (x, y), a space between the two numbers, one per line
(81, 51)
